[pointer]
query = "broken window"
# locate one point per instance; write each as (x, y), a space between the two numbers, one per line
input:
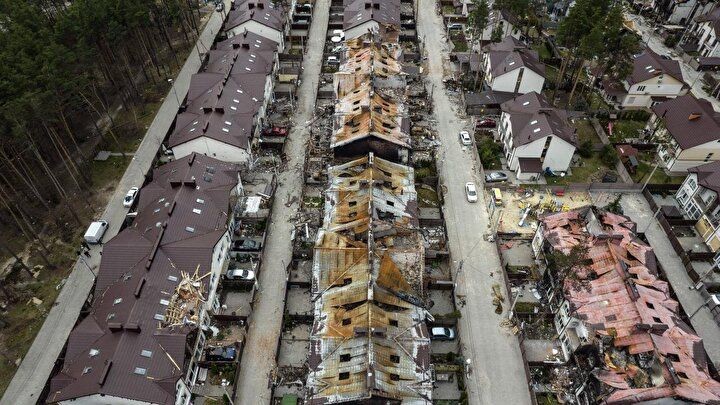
(345, 357)
(346, 321)
(650, 305)
(344, 376)
(394, 377)
(347, 281)
(656, 319)
(673, 357)
(395, 358)
(393, 322)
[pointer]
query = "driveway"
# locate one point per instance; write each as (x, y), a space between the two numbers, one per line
(655, 42)
(498, 374)
(35, 369)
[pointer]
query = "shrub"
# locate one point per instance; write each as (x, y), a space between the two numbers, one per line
(608, 155)
(585, 149)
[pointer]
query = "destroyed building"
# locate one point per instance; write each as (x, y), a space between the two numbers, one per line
(621, 332)
(369, 340)
(144, 334)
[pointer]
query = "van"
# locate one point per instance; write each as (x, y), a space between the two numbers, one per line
(497, 197)
(95, 232)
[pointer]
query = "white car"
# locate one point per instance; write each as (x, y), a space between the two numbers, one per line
(240, 274)
(130, 197)
(465, 138)
(471, 192)
(440, 333)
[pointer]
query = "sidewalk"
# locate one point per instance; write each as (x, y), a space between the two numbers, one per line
(34, 371)
(258, 359)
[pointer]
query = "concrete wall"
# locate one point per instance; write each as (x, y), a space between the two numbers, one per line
(213, 148)
(262, 30)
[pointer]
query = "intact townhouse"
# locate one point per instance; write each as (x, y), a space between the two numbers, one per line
(654, 79)
(511, 67)
(698, 199)
(363, 16)
(536, 137)
(505, 22)
(705, 31)
(144, 335)
(226, 104)
(260, 17)
(622, 338)
(687, 131)
(682, 12)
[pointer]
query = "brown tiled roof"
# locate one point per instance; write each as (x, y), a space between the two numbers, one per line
(533, 118)
(233, 129)
(708, 175)
(248, 40)
(649, 64)
(105, 349)
(712, 17)
(361, 11)
(240, 61)
(234, 94)
(511, 54)
(260, 11)
(690, 121)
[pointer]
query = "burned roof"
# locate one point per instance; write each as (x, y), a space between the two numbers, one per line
(369, 339)
(357, 12)
(649, 65)
(708, 175)
(653, 353)
(367, 61)
(533, 118)
(689, 120)
(132, 344)
(261, 11)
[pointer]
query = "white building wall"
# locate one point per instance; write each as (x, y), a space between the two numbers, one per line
(259, 29)
(213, 148)
(557, 158)
(505, 82)
(640, 94)
(98, 399)
(689, 158)
(531, 81)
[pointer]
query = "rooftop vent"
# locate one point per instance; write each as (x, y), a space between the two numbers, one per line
(694, 116)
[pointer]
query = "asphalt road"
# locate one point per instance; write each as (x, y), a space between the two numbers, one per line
(35, 369)
(258, 359)
(498, 375)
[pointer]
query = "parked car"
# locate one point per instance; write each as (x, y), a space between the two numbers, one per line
(455, 26)
(129, 199)
(471, 192)
(95, 232)
(496, 177)
(486, 123)
(440, 333)
(246, 244)
(240, 274)
(227, 353)
(465, 138)
(332, 60)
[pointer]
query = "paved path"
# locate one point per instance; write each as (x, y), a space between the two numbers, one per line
(34, 371)
(655, 43)
(258, 359)
(635, 206)
(498, 375)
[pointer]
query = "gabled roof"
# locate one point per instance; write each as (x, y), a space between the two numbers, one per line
(690, 121)
(233, 94)
(233, 129)
(384, 12)
(260, 11)
(708, 175)
(240, 61)
(533, 118)
(248, 40)
(511, 54)
(649, 64)
(124, 348)
(712, 17)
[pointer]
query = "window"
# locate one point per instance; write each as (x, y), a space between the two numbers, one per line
(87, 370)
(140, 371)
(673, 357)
(117, 301)
(346, 321)
(394, 377)
(395, 358)
(159, 317)
(656, 319)
(94, 352)
(345, 357)
(641, 88)
(146, 353)
(650, 305)
(344, 376)
(393, 322)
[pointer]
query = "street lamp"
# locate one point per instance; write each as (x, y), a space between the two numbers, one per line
(174, 91)
(714, 298)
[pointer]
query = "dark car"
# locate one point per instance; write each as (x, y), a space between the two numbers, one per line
(486, 123)
(227, 353)
(496, 177)
(246, 245)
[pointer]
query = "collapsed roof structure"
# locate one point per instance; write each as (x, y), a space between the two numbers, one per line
(369, 339)
(630, 339)
(156, 279)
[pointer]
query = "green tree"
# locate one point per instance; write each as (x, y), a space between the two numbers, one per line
(478, 17)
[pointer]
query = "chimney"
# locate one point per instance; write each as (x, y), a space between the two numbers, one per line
(246, 46)
(261, 6)
(694, 116)
(368, 6)
(376, 6)
(251, 6)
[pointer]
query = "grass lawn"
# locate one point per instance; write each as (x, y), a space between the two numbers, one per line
(542, 51)
(623, 129)
(596, 102)
(659, 177)
(108, 171)
(586, 132)
(427, 198)
(591, 168)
